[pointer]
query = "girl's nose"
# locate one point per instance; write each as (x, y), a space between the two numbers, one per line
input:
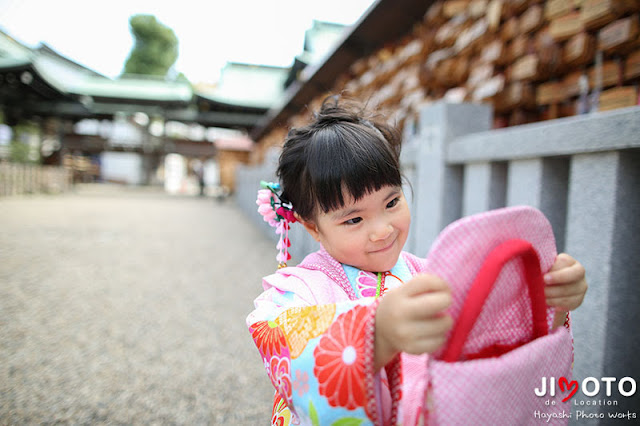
(381, 231)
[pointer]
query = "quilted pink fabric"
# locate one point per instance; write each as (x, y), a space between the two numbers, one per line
(494, 390)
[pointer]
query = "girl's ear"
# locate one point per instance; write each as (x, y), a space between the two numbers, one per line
(309, 226)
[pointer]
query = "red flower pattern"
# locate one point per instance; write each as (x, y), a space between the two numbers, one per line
(269, 338)
(280, 415)
(280, 375)
(339, 360)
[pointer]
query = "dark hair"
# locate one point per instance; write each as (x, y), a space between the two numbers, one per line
(344, 147)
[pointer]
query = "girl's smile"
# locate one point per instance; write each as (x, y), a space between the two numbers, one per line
(368, 233)
(384, 249)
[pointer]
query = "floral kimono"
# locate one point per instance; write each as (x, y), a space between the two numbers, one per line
(314, 327)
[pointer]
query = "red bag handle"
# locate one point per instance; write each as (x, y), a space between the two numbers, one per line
(483, 284)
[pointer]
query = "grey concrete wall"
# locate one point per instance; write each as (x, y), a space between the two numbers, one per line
(605, 131)
(602, 231)
(584, 174)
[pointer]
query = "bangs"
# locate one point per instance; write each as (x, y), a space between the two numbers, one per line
(341, 159)
(344, 153)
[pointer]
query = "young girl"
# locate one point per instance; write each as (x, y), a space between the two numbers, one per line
(334, 349)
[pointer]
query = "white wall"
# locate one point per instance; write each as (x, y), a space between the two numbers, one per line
(122, 167)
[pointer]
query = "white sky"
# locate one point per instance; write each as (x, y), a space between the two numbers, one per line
(210, 32)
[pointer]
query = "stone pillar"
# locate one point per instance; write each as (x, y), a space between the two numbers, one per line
(438, 185)
(602, 233)
(541, 183)
(484, 187)
(525, 183)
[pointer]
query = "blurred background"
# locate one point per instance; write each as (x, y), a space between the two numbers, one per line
(125, 277)
(142, 93)
(176, 95)
(133, 135)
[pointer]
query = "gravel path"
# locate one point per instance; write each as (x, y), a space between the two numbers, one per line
(122, 306)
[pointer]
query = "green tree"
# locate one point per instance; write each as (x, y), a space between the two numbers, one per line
(155, 49)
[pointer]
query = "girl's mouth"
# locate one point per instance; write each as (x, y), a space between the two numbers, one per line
(385, 248)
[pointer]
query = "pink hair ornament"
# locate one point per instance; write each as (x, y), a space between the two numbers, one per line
(277, 214)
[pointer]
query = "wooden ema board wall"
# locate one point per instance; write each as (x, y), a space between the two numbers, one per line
(530, 59)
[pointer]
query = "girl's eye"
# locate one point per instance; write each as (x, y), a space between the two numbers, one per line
(353, 221)
(393, 202)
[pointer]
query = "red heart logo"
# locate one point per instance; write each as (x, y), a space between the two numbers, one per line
(571, 386)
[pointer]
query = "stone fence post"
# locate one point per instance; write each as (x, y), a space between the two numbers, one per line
(435, 186)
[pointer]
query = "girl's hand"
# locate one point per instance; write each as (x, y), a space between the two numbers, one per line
(411, 318)
(566, 286)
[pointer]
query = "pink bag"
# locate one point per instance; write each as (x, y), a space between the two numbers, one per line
(500, 349)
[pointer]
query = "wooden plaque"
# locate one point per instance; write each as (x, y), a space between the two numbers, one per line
(452, 8)
(477, 8)
(447, 34)
(566, 26)
(443, 71)
(597, 13)
(434, 15)
(579, 50)
(632, 66)
(519, 47)
(509, 29)
(518, 95)
(526, 68)
(618, 97)
(479, 74)
(517, 7)
(494, 14)
(461, 73)
(493, 52)
(572, 84)
(619, 35)
(548, 51)
(531, 20)
(611, 74)
(550, 93)
(470, 38)
(554, 9)
(489, 89)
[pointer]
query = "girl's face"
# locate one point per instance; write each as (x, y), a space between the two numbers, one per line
(369, 233)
